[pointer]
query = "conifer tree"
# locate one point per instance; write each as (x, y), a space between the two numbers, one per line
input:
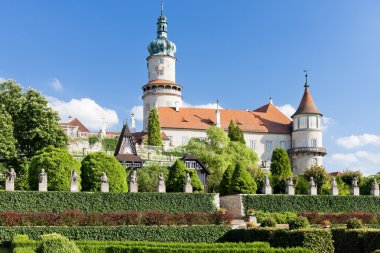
(242, 181)
(235, 133)
(280, 164)
(177, 176)
(226, 180)
(195, 181)
(154, 130)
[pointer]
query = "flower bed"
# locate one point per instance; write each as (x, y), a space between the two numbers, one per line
(78, 218)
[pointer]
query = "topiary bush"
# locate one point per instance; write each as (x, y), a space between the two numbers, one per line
(268, 222)
(354, 223)
(226, 180)
(242, 181)
(195, 181)
(58, 164)
(298, 222)
(92, 167)
(177, 175)
(56, 243)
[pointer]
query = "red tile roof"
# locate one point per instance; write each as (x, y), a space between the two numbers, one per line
(307, 104)
(266, 119)
(77, 123)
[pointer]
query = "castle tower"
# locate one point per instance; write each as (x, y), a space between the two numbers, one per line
(161, 89)
(307, 146)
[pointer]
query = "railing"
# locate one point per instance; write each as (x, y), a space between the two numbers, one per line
(321, 150)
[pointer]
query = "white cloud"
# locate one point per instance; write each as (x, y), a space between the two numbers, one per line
(86, 110)
(56, 84)
(287, 109)
(355, 141)
(367, 162)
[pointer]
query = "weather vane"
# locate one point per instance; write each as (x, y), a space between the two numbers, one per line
(305, 71)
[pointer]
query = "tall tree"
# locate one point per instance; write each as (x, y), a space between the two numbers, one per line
(235, 133)
(154, 130)
(177, 176)
(319, 175)
(7, 140)
(226, 180)
(242, 181)
(280, 164)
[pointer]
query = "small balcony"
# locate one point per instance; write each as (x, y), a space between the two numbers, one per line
(318, 150)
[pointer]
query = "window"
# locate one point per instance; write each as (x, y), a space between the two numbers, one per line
(170, 140)
(314, 142)
(185, 140)
(303, 122)
(252, 144)
(161, 71)
(161, 60)
(283, 144)
(268, 149)
(313, 122)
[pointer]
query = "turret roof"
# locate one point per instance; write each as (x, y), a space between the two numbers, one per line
(307, 105)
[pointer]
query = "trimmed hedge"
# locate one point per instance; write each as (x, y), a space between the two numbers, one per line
(106, 202)
(308, 203)
(356, 240)
(194, 234)
(317, 240)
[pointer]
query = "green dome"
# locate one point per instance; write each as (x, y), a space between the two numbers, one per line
(162, 45)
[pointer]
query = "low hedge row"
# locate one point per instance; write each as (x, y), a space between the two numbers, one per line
(196, 234)
(308, 203)
(356, 241)
(105, 202)
(78, 218)
(317, 240)
(341, 218)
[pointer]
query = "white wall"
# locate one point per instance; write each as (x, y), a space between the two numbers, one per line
(165, 63)
(302, 138)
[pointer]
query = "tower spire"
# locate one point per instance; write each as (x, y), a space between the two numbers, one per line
(162, 8)
(306, 84)
(162, 30)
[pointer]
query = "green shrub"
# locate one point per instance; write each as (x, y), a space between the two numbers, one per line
(195, 181)
(242, 181)
(148, 177)
(92, 140)
(177, 175)
(347, 240)
(226, 180)
(109, 144)
(94, 164)
(58, 164)
(307, 203)
(154, 130)
(56, 243)
(354, 223)
(298, 222)
(123, 233)
(105, 202)
(281, 218)
(268, 222)
(235, 133)
(320, 176)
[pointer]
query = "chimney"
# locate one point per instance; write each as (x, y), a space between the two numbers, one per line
(217, 114)
(176, 106)
(133, 123)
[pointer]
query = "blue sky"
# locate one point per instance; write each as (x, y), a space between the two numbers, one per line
(88, 58)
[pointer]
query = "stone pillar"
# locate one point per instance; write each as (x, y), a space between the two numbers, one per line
(290, 187)
(334, 187)
(375, 188)
(104, 186)
(42, 184)
(74, 181)
(354, 190)
(188, 188)
(133, 186)
(267, 189)
(312, 187)
(10, 180)
(161, 187)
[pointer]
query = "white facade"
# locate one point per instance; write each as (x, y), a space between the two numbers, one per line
(161, 67)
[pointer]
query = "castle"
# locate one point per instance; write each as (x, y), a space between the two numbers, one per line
(265, 128)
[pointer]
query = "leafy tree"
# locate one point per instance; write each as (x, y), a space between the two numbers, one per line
(58, 164)
(258, 175)
(217, 152)
(320, 176)
(92, 140)
(154, 129)
(225, 184)
(242, 181)
(148, 177)
(195, 181)
(348, 176)
(92, 167)
(235, 133)
(280, 169)
(7, 141)
(177, 176)
(366, 183)
(109, 144)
